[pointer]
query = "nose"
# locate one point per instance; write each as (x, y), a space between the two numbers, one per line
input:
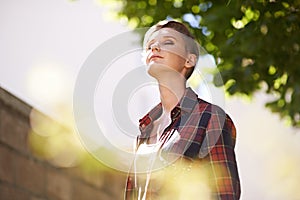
(155, 47)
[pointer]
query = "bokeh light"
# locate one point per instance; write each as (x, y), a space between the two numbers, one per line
(48, 83)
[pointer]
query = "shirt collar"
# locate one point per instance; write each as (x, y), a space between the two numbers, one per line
(185, 105)
(188, 101)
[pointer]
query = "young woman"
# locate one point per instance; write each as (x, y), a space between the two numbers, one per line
(186, 146)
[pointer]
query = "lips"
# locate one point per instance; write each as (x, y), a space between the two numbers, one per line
(154, 57)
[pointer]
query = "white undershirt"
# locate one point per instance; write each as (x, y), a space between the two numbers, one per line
(147, 155)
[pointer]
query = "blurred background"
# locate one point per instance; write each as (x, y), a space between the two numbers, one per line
(44, 44)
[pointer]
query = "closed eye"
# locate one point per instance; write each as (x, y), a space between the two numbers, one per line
(168, 42)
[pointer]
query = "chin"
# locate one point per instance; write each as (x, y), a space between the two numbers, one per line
(155, 68)
(152, 72)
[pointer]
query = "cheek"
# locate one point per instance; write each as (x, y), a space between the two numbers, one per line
(176, 59)
(179, 51)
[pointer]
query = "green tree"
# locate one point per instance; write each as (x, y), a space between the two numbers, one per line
(256, 43)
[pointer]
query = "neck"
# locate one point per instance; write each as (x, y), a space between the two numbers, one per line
(171, 92)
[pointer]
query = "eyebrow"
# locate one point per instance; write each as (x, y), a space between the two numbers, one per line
(170, 36)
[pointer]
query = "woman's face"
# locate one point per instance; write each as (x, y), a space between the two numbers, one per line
(166, 52)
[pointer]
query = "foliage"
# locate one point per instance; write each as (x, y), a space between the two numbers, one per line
(256, 43)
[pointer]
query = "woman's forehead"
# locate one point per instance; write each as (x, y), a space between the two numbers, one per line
(165, 33)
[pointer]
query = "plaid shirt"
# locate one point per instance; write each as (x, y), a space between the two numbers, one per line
(207, 134)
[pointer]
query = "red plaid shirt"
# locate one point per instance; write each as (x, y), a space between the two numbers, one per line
(207, 134)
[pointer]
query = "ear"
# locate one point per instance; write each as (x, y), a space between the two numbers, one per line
(191, 60)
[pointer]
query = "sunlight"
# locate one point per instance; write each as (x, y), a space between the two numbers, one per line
(47, 83)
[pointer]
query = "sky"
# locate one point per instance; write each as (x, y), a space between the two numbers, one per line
(38, 35)
(45, 43)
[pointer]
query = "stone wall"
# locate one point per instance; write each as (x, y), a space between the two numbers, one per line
(23, 176)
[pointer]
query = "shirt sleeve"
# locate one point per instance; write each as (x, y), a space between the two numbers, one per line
(218, 150)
